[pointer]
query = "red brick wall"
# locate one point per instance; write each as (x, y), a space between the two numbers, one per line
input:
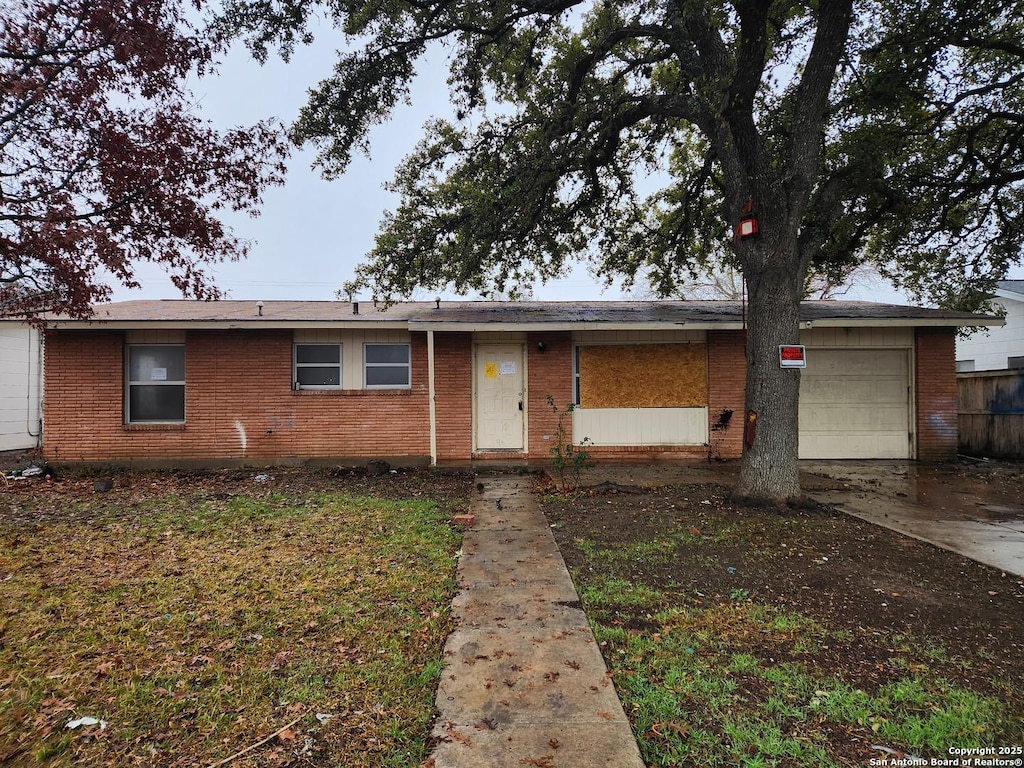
(240, 381)
(727, 377)
(550, 373)
(453, 395)
(236, 382)
(936, 398)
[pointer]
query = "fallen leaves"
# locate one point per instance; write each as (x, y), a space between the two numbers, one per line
(195, 611)
(454, 735)
(659, 729)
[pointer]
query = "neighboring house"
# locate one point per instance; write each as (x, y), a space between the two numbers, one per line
(158, 382)
(997, 349)
(21, 370)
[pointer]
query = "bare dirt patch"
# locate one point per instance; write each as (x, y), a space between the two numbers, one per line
(890, 603)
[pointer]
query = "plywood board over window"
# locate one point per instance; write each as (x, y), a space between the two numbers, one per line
(643, 376)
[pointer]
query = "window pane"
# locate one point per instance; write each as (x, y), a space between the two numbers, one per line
(387, 353)
(156, 403)
(396, 376)
(316, 376)
(163, 362)
(317, 353)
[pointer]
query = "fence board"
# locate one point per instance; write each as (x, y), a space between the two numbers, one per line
(992, 413)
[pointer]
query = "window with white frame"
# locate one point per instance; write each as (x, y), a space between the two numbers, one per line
(386, 366)
(155, 383)
(317, 366)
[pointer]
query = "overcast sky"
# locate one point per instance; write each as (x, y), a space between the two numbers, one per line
(312, 233)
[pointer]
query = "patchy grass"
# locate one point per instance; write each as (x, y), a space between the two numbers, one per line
(702, 689)
(194, 628)
(744, 637)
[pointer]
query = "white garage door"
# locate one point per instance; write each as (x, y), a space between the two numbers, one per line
(855, 404)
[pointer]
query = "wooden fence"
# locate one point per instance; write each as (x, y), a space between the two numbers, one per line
(992, 413)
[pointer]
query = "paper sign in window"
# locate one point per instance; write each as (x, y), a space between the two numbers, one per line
(158, 374)
(508, 368)
(491, 370)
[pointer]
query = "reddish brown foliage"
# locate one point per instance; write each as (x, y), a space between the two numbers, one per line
(103, 163)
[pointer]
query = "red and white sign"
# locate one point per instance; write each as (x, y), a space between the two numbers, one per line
(792, 356)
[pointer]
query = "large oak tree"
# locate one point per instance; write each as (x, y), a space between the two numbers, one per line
(104, 159)
(636, 134)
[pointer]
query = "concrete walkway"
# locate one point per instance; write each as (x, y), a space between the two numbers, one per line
(524, 683)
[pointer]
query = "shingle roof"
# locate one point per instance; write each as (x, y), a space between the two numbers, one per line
(469, 315)
(1011, 286)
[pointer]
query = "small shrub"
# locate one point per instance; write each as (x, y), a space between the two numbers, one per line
(568, 460)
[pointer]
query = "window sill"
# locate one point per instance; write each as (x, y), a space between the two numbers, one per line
(156, 426)
(397, 392)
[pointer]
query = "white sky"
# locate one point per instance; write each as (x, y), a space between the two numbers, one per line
(312, 233)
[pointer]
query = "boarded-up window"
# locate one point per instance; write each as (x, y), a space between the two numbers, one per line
(643, 376)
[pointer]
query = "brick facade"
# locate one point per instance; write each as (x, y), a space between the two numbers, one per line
(453, 395)
(936, 393)
(727, 379)
(549, 373)
(240, 405)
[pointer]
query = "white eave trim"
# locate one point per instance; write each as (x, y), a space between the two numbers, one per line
(213, 325)
(901, 322)
(420, 325)
(423, 326)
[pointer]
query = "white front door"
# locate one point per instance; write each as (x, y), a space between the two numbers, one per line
(499, 397)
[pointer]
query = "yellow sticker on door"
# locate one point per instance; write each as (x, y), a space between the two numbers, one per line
(491, 370)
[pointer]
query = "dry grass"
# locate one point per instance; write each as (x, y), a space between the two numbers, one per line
(194, 624)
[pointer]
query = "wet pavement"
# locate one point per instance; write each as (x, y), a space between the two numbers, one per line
(956, 512)
(947, 505)
(524, 682)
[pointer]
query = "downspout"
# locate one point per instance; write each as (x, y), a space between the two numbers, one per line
(430, 398)
(35, 408)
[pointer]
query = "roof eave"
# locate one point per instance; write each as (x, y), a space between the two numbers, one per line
(904, 322)
(217, 325)
(1012, 295)
(496, 327)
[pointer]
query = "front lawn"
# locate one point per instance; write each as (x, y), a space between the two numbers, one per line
(196, 614)
(751, 637)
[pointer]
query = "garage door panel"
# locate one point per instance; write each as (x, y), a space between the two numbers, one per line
(860, 391)
(822, 390)
(859, 362)
(891, 391)
(854, 403)
(842, 445)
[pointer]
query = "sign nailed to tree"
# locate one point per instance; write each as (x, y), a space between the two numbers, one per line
(792, 356)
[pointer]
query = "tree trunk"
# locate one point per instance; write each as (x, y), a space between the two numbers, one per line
(771, 420)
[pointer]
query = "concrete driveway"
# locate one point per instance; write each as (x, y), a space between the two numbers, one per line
(974, 508)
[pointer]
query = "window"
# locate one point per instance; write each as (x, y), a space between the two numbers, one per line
(386, 366)
(1015, 362)
(317, 366)
(156, 383)
(964, 366)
